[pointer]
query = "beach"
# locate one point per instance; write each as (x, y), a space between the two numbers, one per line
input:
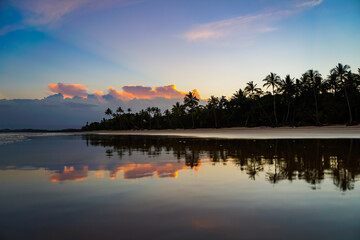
(311, 132)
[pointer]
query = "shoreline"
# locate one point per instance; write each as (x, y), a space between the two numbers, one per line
(307, 132)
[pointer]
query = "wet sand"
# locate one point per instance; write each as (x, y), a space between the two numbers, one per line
(325, 132)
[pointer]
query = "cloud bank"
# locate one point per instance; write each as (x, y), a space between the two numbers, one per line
(71, 105)
(128, 92)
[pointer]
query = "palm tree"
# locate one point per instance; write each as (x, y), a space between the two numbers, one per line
(251, 88)
(119, 110)
(237, 104)
(156, 115)
(213, 104)
(239, 97)
(149, 112)
(108, 112)
(288, 89)
(178, 110)
(297, 90)
(272, 80)
(167, 114)
(340, 71)
(191, 101)
(313, 79)
(254, 93)
(223, 102)
(332, 82)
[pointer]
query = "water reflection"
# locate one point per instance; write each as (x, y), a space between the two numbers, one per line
(309, 160)
(70, 173)
(98, 187)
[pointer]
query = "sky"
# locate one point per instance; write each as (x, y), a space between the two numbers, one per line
(65, 61)
(213, 46)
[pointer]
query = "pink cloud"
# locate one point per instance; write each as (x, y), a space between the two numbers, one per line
(144, 92)
(120, 95)
(128, 92)
(69, 90)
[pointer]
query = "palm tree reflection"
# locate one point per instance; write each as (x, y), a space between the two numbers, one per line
(278, 160)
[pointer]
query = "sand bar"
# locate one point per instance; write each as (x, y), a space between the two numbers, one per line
(325, 132)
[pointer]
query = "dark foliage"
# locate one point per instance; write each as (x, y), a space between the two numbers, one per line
(309, 100)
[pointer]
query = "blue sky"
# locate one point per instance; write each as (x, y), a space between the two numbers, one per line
(213, 46)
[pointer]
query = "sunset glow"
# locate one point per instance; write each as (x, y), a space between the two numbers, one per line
(216, 48)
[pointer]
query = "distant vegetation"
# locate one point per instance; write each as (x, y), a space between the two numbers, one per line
(310, 100)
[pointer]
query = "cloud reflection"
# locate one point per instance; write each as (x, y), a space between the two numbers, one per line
(71, 174)
(129, 171)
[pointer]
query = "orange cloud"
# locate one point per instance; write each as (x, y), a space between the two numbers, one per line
(143, 92)
(99, 96)
(128, 92)
(69, 90)
(120, 95)
(196, 93)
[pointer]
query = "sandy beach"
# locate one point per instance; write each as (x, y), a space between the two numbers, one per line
(325, 132)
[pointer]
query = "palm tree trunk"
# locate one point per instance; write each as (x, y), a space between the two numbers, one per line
(294, 111)
(179, 121)
(171, 125)
(276, 121)
(316, 109)
(246, 121)
(192, 118)
(287, 114)
(348, 104)
(215, 118)
(267, 115)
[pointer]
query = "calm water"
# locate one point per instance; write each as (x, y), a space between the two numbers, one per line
(120, 187)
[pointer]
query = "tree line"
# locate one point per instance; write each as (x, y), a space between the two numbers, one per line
(309, 100)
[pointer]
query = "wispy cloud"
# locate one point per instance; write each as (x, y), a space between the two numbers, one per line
(309, 3)
(10, 28)
(47, 12)
(50, 13)
(244, 25)
(247, 24)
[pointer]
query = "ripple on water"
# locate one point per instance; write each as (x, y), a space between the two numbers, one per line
(8, 138)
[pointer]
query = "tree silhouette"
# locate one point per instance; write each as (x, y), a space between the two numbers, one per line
(213, 103)
(308, 100)
(178, 111)
(108, 112)
(313, 79)
(273, 80)
(332, 83)
(341, 71)
(288, 89)
(191, 101)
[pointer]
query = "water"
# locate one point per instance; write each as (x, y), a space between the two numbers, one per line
(134, 187)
